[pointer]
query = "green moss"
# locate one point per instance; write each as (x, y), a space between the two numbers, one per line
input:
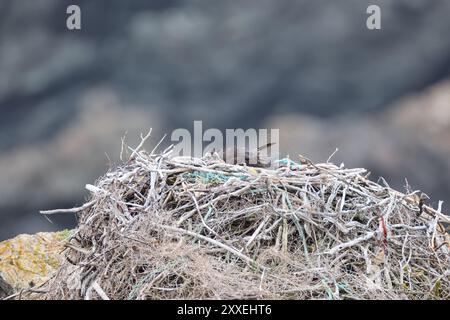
(64, 234)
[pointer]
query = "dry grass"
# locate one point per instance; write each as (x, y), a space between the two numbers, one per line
(162, 227)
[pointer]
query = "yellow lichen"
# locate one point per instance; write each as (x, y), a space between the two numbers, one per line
(29, 260)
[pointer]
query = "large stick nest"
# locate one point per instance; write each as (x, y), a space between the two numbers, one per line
(162, 227)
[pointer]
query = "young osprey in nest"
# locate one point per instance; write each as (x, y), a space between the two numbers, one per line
(254, 157)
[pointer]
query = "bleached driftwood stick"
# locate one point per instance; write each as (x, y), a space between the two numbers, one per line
(72, 210)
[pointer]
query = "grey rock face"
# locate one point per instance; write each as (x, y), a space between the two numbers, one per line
(5, 288)
(231, 63)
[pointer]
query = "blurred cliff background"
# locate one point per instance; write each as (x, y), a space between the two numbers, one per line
(310, 68)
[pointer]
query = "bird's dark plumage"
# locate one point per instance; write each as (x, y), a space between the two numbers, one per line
(254, 158)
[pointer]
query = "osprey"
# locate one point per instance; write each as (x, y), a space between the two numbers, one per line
(254, 158)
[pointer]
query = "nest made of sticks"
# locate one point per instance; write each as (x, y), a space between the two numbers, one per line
(162, 227)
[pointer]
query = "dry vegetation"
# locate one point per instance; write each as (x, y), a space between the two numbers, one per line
(162, 227)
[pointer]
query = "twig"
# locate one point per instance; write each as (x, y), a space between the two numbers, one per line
(214, 242)
(351, 243)
(73, 210)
